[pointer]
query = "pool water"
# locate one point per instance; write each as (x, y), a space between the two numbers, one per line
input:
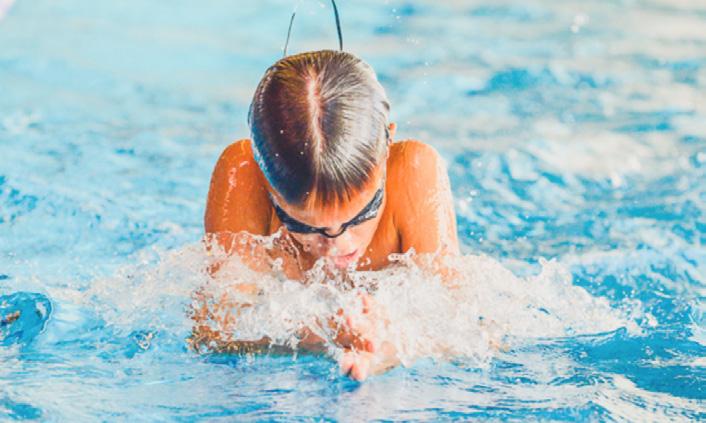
(575, 137)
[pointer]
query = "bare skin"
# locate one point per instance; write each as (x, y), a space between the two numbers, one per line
(417, 213)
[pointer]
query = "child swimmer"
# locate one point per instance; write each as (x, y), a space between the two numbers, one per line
(322, 170)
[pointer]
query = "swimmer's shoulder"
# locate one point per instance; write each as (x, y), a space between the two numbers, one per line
(420, 197)
(237, 198)
(237, 160)
(413, 159)
(237, 152)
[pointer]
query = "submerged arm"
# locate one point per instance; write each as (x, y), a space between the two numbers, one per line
(237, 211)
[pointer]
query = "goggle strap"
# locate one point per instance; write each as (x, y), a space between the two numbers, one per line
(338, 27)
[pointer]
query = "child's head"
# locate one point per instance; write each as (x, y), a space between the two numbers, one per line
(319, 124)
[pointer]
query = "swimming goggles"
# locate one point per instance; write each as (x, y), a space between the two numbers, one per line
(369, 212)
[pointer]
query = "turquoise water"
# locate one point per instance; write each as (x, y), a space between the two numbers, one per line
(574, 131)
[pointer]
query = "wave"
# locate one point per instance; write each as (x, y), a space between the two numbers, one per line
(484, 308)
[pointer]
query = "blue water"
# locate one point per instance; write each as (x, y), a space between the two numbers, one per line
(573, 131)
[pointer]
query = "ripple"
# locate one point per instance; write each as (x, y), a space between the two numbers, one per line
(24, 316)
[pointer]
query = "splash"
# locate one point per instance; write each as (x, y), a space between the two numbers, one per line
(482, 310)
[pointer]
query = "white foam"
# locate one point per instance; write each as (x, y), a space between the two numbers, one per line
(487, 307)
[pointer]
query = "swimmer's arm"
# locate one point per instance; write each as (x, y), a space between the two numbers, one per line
(212, 318)
(237, 207)
(237, 212)
(427, 222)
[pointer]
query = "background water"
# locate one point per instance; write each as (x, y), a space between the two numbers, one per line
(573, 131)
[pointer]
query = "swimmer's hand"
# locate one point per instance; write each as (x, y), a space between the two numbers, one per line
(358, 334)
(366, 353)
(361, 364)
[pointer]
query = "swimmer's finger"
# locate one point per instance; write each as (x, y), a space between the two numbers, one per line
(361, 368)
(347, 363)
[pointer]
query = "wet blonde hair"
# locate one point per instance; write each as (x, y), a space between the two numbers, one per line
(318, 122)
